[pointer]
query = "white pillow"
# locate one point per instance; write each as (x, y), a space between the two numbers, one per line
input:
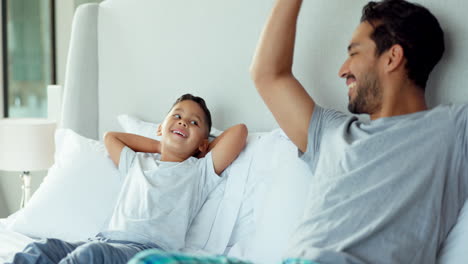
(78, 194)
(136, 126)
(278, 187)
(207, 233)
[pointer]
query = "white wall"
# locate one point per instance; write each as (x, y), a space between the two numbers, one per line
(1, 78)
(64, 17)
(10, 183)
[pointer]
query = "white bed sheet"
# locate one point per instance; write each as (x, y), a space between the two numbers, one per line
(10, 242)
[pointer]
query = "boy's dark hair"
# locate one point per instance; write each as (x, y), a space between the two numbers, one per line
(201, 103)
(414, 28)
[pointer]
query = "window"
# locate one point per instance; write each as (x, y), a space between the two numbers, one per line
(29, 59)
(28, 56)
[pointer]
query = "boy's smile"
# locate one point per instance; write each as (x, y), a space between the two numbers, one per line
(179, 132)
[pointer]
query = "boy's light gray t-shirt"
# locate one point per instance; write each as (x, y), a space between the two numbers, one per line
(159, 200)
(385, 191)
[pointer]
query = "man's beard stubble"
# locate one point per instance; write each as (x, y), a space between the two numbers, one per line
(368, 96)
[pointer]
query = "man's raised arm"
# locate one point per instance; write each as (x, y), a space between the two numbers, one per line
(271, 71)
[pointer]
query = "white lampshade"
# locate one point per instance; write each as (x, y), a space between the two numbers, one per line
(26, 144)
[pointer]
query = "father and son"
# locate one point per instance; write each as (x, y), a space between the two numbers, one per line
(386, 190)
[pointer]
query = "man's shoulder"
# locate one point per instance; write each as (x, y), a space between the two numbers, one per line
(318, 109)
(450, 107)
(455, 112)
(325, 115)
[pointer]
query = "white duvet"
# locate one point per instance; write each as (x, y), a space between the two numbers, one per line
(10, 242)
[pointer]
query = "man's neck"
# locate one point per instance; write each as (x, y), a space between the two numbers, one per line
(403, 101)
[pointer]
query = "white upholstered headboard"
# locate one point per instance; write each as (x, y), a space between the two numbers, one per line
(137, 56)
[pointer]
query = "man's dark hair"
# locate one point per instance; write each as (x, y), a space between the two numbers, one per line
(414, 28)
(202, 105)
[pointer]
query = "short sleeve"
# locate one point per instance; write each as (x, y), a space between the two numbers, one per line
(208, 178)
(322, 120)
(127, 156)
(460, 115)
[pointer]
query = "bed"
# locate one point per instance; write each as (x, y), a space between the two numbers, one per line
(129, 60)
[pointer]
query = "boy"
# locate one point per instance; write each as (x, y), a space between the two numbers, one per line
(161, 193)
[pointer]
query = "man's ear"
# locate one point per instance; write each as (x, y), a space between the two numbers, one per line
(395, 58)
(159, 131)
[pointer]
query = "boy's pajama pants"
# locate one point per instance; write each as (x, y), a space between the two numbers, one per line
(96, 250)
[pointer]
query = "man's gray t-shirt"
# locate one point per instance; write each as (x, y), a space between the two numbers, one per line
(384, 191)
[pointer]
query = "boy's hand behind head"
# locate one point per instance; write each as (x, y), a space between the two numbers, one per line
(227, 146)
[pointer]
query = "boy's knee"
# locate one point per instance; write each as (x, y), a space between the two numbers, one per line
(91, 252)
(93, 246)
(33, 247)
(40, 246)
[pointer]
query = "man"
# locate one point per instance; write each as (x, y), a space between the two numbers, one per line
(384, 191)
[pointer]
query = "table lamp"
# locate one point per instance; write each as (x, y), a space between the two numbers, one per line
(26, 144)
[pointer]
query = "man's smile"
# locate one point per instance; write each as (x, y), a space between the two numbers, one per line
(352, 86)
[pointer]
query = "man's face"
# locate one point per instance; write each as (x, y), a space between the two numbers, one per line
(184, 129)
(361, 71)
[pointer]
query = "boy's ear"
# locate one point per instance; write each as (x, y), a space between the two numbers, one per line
(203, 148)
(159, 131)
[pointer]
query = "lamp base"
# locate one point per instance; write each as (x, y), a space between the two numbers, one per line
(26, 188)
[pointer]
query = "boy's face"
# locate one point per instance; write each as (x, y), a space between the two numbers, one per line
(184, 130)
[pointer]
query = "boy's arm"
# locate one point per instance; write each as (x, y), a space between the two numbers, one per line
(271, 72)
(116, 141)
(227, 146)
